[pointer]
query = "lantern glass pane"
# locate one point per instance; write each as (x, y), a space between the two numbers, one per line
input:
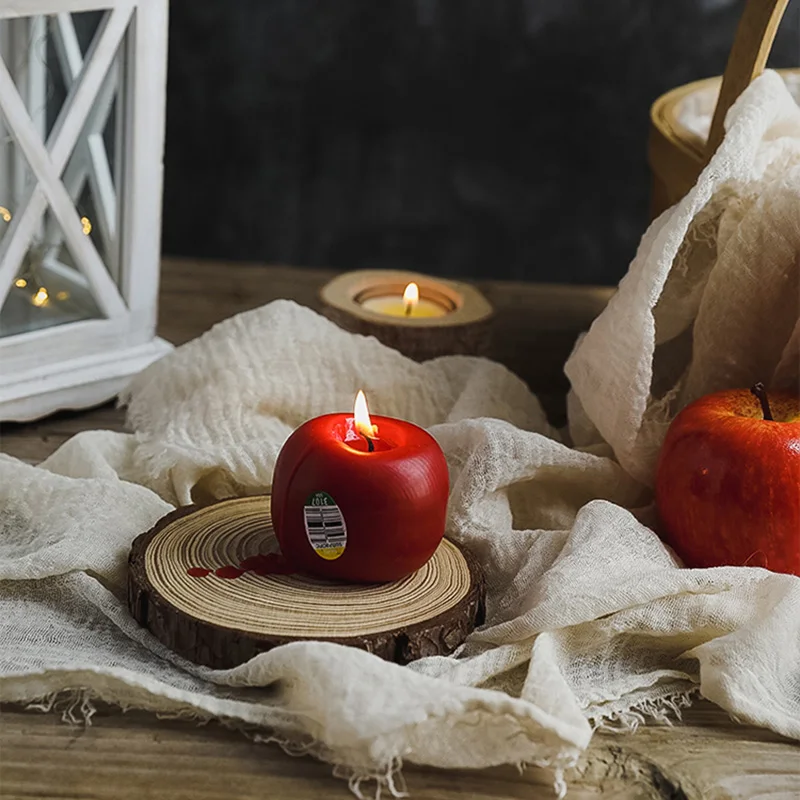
(60, 265)
(47, 291)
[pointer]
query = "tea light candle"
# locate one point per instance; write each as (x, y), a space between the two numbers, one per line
(409, 305)
(432, 317)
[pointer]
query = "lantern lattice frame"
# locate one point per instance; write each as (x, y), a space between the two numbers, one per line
(85, 362)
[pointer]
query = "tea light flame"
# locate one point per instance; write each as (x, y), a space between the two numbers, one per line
(361, 414)
(410, 298)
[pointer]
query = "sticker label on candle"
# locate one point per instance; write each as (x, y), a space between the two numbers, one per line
(325, 527)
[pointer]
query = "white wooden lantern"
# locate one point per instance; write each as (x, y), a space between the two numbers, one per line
(82, 96)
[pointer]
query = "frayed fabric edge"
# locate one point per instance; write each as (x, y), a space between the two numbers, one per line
(389, 777)
(664, 710)
(76, 706)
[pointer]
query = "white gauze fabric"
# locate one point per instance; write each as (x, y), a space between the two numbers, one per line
(590, 619)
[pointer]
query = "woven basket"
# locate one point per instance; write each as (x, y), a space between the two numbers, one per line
(687, 124)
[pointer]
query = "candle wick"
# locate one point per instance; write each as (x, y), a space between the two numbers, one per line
(370, 444)
(409, 307)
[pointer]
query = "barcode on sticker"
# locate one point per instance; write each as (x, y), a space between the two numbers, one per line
(325, 526)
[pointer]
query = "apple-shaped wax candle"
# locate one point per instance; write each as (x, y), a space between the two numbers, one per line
(728, 481)
(357, 501)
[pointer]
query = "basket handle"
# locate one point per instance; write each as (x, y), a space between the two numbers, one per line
(747, 60)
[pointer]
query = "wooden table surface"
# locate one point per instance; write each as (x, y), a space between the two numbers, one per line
(138, 756)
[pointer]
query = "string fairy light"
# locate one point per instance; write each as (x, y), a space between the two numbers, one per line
(41, 297)
(86, 223)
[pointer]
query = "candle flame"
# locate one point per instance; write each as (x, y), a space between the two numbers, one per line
(410, 297)
(361, 413)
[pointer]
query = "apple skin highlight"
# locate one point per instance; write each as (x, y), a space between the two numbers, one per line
(728, 482)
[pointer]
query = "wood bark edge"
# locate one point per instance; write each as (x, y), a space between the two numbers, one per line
(223, 648)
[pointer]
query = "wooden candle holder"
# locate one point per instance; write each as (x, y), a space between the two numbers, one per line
(464, 330)
(222, 622)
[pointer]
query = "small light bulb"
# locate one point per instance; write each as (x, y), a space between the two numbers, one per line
(41, 297)
(86, 224)
(5, 214)
(20, 283)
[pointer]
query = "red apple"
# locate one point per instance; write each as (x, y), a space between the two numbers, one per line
(359, 508)
(728, 481)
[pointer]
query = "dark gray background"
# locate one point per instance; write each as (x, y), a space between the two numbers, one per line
(491, 138)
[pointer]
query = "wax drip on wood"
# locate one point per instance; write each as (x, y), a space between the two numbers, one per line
(198, 572)
(263, 564)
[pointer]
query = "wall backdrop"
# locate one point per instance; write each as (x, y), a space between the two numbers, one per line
(492, 138)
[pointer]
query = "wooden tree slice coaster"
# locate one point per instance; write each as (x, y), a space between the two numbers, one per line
(222, 622)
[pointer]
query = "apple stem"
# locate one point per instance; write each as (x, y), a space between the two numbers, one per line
(370, 444)
(761, 393)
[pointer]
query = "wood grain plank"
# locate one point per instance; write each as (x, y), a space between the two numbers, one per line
(34, 441)
(707, 757)
(136, 755)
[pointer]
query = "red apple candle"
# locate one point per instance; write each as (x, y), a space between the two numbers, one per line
(357, 500)
(728, 481)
